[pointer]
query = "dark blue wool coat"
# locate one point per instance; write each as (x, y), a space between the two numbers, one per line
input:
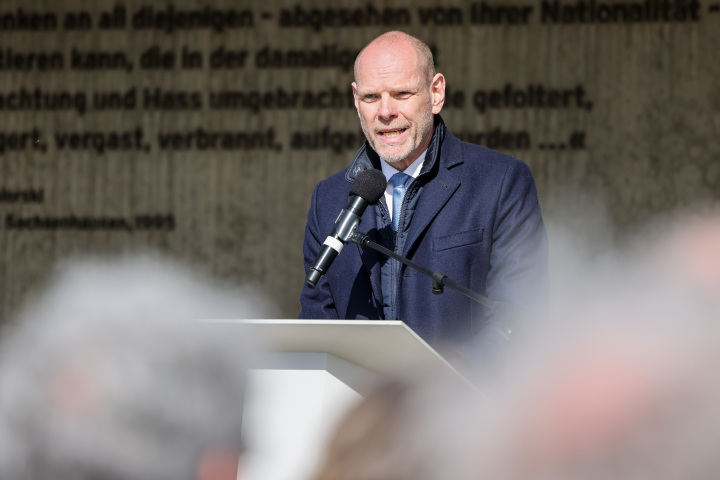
(475, 218)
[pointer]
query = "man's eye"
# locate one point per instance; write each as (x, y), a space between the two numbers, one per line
(404, 94)
(370, 97)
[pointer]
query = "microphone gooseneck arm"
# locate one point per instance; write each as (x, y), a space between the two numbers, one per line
(439, 281)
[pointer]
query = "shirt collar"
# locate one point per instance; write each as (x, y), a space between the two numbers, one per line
(413, 170)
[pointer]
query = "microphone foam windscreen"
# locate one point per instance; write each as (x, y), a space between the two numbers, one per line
(369, 185)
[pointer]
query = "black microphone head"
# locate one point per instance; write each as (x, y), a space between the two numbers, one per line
(369, 185)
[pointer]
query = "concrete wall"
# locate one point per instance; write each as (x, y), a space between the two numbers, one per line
(200, 128)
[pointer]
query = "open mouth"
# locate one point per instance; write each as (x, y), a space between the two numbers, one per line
(391, 133)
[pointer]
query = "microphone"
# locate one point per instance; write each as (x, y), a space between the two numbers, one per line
(368, 187)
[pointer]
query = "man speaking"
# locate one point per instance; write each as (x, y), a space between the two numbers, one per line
(450, 206)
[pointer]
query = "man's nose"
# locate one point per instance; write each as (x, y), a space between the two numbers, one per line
(388, 108)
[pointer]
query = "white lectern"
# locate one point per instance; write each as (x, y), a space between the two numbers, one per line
(308, 374)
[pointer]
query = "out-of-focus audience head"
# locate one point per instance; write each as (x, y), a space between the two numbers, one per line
(601, 401)
(690, 254)
(621, 382)
(109, 375)
(404, 429)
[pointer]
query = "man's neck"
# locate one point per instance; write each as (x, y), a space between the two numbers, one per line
(389, 169)
(413, 169)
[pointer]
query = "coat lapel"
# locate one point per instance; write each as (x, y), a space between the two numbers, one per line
(433, 198)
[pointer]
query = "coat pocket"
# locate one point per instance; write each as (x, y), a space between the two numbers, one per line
(470, 237)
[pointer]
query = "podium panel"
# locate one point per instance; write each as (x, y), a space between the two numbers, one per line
(306, 376)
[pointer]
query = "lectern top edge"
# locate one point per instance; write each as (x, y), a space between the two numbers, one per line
(260, 321)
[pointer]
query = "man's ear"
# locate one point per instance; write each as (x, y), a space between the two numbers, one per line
(355, 96)
(437, 92)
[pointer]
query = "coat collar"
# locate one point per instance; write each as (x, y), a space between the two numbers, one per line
(366, 158)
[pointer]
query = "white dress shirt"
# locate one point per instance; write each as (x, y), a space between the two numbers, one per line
(388, 170)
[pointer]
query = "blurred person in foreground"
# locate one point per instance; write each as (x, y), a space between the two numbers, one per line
(689, 254)
(409, 426)
(620, 385)
(108, 375)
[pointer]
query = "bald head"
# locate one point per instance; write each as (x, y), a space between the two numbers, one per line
(397, 93)
(395, 39)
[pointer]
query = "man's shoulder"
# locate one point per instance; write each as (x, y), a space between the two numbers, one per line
(342, 180)
(336, 180)
(483, 159)
(332, 190)
(476, 152)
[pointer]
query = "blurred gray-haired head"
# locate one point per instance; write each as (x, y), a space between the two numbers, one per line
(108, 374)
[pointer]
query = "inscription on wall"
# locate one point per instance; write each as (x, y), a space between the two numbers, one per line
(190, 126)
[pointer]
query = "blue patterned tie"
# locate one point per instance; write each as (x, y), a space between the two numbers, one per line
(399, 180)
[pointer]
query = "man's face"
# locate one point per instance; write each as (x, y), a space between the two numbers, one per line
(395, 103)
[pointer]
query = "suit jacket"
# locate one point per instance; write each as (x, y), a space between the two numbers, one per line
(476, 219)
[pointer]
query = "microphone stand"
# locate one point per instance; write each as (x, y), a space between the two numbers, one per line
(439, 281)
